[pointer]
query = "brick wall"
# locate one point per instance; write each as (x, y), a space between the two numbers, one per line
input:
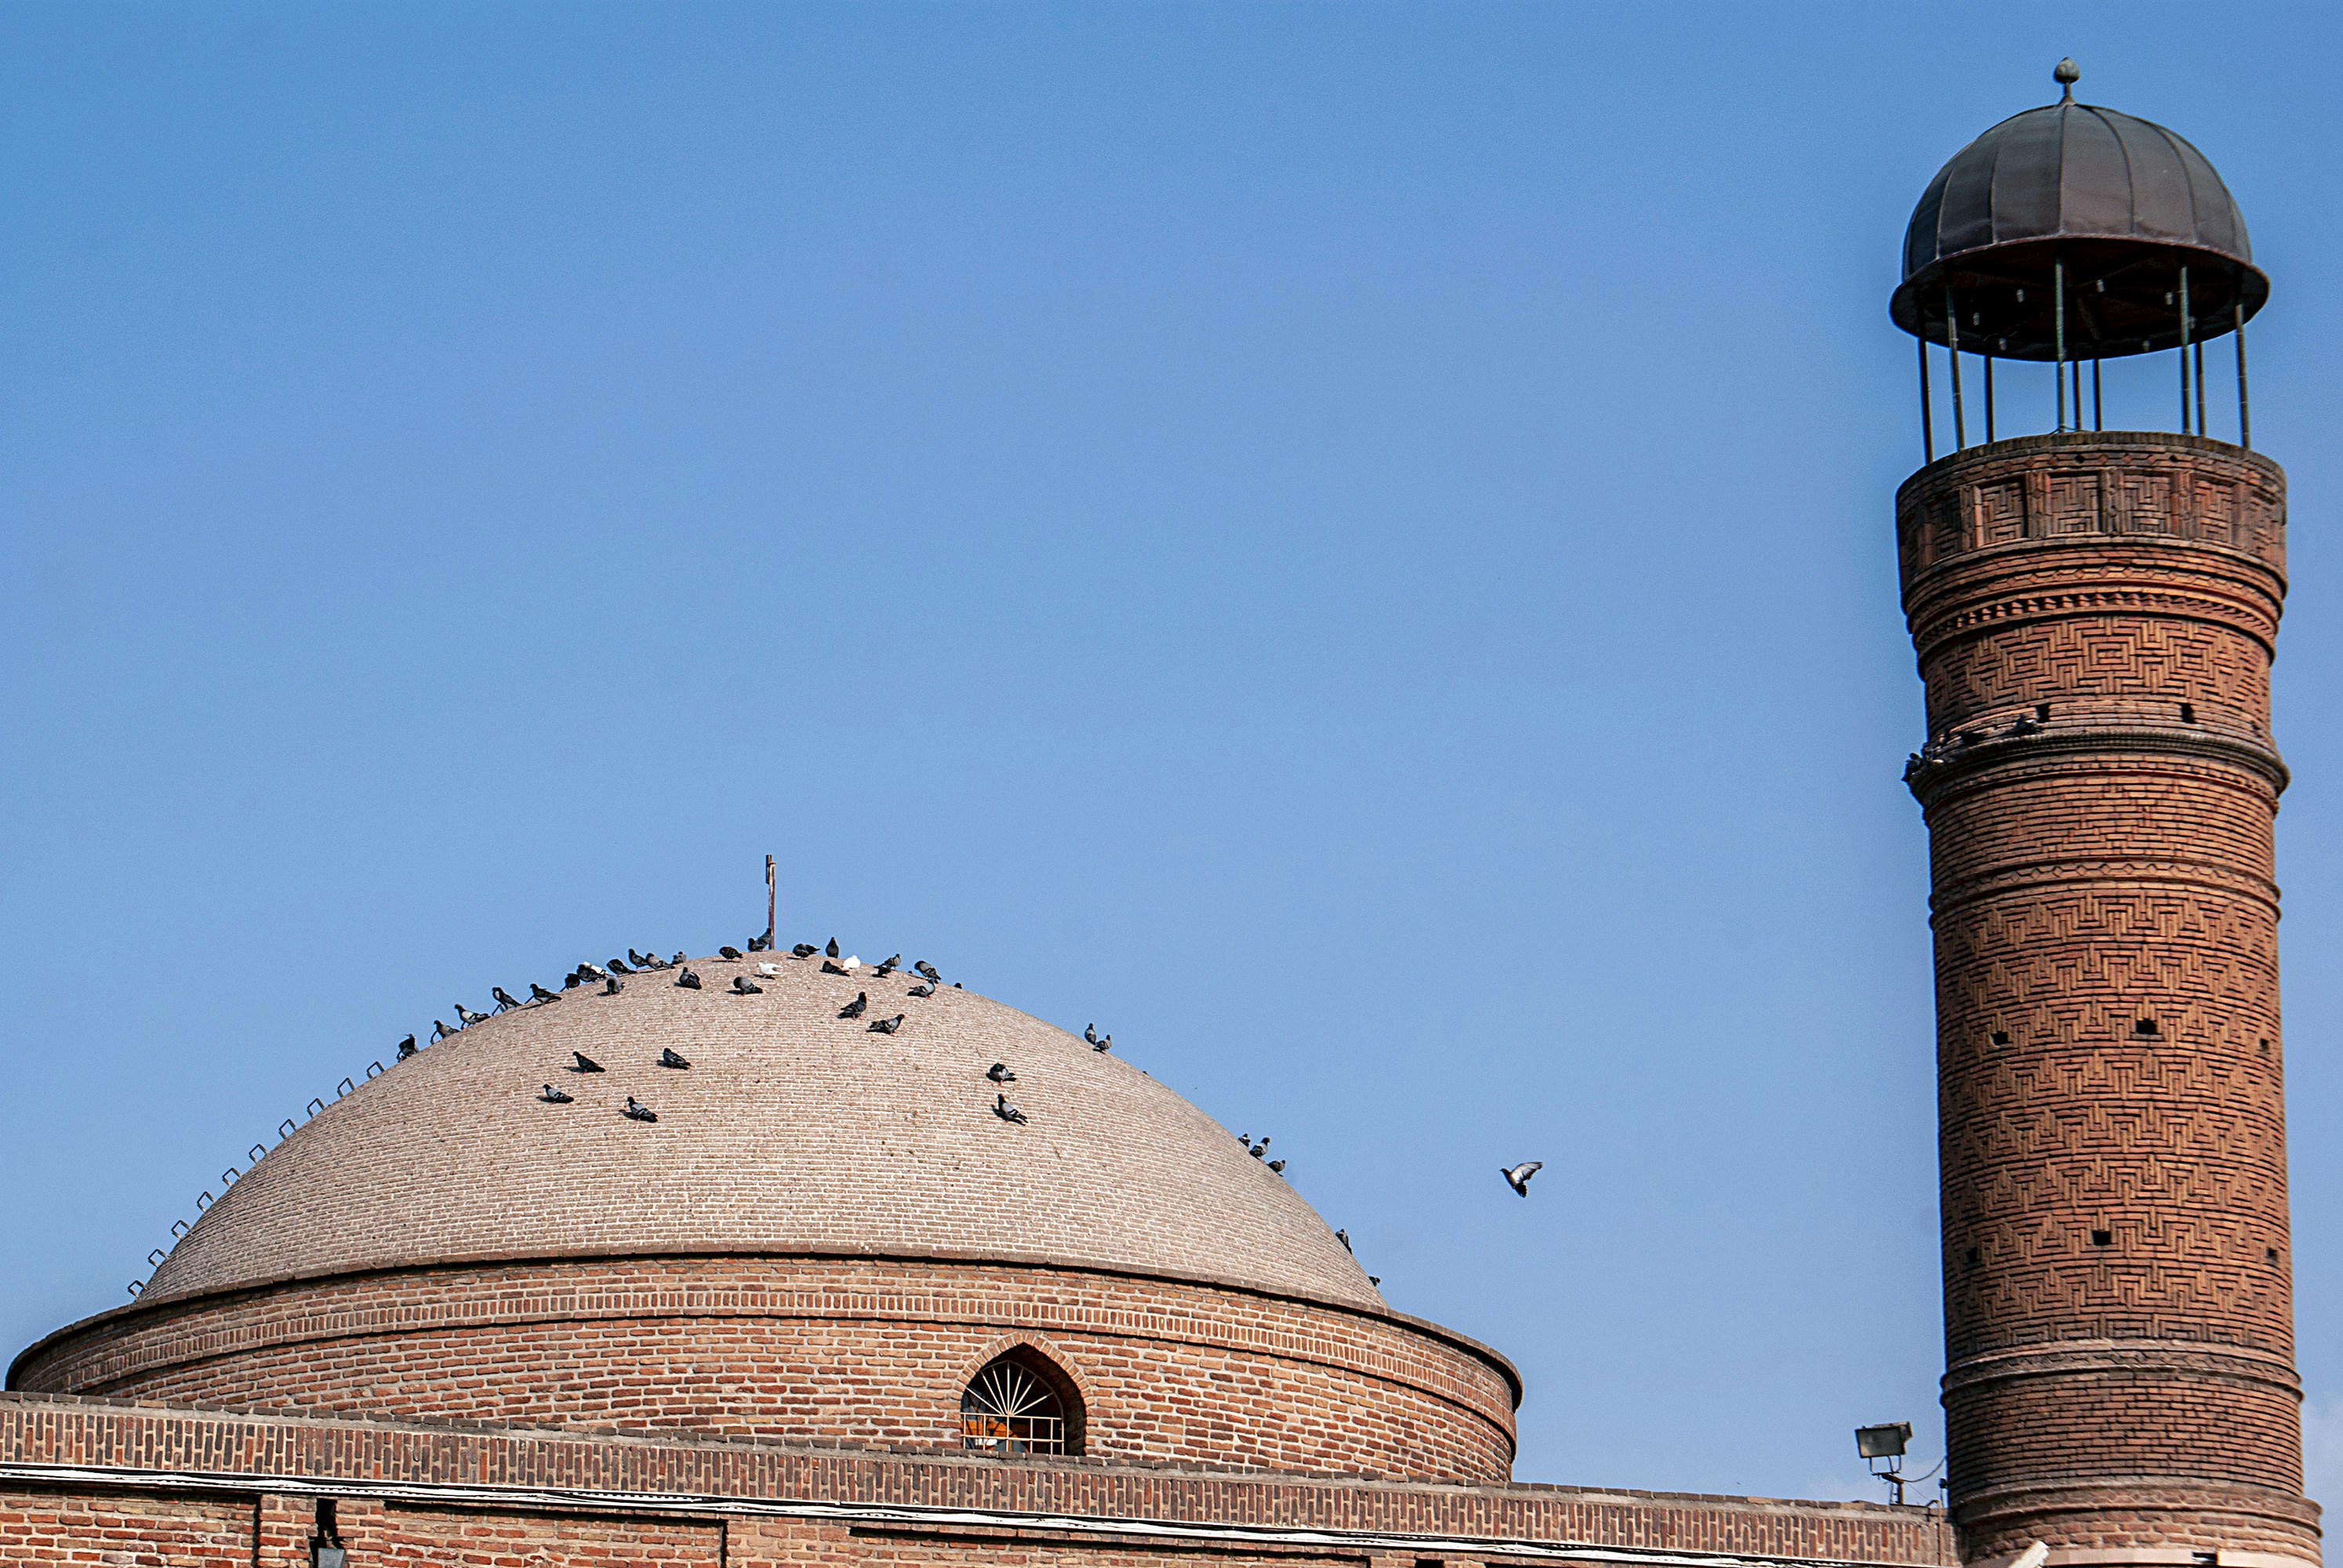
(871, 1351)
(2094, 617)
(442, 1493)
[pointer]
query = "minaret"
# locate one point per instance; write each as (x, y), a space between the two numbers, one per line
(2094, 613)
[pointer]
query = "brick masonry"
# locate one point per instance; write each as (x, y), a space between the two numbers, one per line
(863, 1350)
(81, 1479)
(2094, 617)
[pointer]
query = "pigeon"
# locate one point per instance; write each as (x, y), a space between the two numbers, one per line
(539, 994)
(1089, 1032)
(760, 944)
(618, 969)
(854, 1009)
(1245, 1139)
(888, 1025)
(921, 991)
(890, 966)
(829, 968)
(1375, 1279)
(637, 1112)
(833, 947)
(957, 986)
(667, 1058)
(640, 961)
(568, 982)
(729, 952)
(688, 981)
(1518, 1177)
(504, 998)
(928, 969)
(439, 1031)
(769, 969)
(2027, 725)
(743, 986)
(1261, 1149)
(1105, 1043)
(585, 1063)
(466, 1018)
(1343, 1237)
(406, 1047)
(553, 1095)
(804, 950)
(1278, 1166)
(999, 1073)
(675, 961)
(591, 971)
(1006, 1111)
(613, 986)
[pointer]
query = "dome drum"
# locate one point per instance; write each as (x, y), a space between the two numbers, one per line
(2122, 298)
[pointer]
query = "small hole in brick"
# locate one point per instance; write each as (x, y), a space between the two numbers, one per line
(2270, 1253)
(2103, 1238)
(1973, 1257)
(2001, 1037)
(2187, 713)
(2265, 1048)
(2145, 1027)
(2042, 712)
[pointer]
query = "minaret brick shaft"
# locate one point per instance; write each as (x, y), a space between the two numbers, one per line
(2095, 616)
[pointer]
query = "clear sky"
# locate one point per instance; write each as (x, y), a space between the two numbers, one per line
(1349, 545)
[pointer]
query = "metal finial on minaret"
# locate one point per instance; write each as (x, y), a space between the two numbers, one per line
(2067, 74)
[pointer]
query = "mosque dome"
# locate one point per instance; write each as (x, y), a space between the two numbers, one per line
(2124, 202)
(791, 1131)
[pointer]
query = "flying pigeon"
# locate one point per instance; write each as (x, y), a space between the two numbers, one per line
(585, 1063)
(1089, 1032)
(439, 1031)
(406, 1047)
(539, 994)
(804, 950)
(854, 1009)
(1261, 1149)
(688, 981)
(1343, 1237)
(833, 947)
(1006, 1111)
(504, 998)
(466, 1018)
(618, 969)
(553, 1095)
(922, 989)
(1518, 1177)
(613, 986)
(829, 968)
(1105, 1043)
(743, 986)
(667, 1058)
(999, 1073)
(926, 969)
(1278, 1166)
(637, 1112)
(729, 952)
(888, 1025)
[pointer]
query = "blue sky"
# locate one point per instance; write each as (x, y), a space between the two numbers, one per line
(1351, 545)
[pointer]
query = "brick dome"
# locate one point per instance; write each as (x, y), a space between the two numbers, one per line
(791, 1132)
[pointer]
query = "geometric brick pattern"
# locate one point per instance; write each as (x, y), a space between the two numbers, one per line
(867, 1352)
(2094, 617)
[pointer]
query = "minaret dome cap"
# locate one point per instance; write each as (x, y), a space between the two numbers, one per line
(2122, 203)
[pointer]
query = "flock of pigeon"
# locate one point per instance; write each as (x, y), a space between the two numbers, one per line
(614, 975)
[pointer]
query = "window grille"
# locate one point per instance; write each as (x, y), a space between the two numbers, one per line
(1007, 1410)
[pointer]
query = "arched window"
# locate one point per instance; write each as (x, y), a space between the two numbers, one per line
(1019, 1403)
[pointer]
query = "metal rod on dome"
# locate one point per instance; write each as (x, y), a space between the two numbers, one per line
(1928, 432)
(1988, 399)
(2058, 334)
(2184, 350)
(2098, 400)
(1953, 344)
(2199, 373)
(769, 903)
(2244, 408)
